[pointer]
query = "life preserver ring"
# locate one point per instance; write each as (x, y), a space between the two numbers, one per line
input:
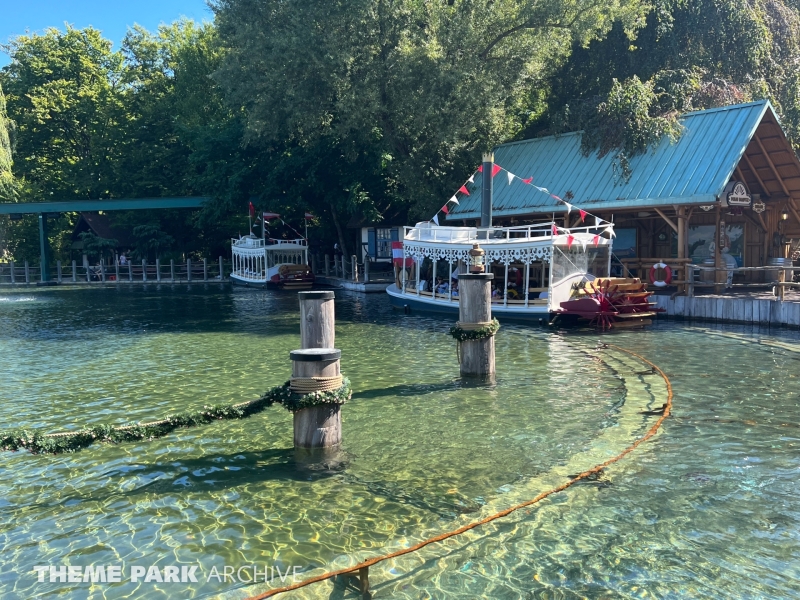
(667, 277)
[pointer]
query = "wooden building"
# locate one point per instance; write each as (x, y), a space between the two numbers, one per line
(681, 202)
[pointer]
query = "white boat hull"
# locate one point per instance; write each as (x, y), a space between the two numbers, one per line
(411, 301)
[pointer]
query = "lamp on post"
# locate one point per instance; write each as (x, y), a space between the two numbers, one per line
(477, 259)
(785, 215)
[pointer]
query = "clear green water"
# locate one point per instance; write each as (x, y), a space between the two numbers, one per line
(709, 509)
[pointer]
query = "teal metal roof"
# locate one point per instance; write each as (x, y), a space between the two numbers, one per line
(693, 170)
(104, 205)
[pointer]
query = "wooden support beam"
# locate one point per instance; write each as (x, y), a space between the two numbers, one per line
(758, 177)
(793, 207)
(667, 219)
(738, 173)
(754, 222)
(772, 166)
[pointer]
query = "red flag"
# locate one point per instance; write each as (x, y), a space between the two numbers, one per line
(252, 210)
(269, 215)
(596, 239)
(528, 180)
(309, 216)
(480, 169)
(583, 214)
(463, 189)
(496, 169)
(444, 210)
(570, 239)
(555, 230)
(556, 197)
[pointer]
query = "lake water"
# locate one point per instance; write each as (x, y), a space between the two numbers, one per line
(707, 509)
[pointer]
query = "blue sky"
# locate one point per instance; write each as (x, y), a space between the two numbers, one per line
(112, 17)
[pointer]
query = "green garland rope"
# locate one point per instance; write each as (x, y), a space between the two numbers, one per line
(474, 334)
(36, 442)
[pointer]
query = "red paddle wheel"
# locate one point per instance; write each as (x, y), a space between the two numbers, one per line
(612, 302)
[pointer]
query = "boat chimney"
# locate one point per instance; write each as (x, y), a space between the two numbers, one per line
(486, 197)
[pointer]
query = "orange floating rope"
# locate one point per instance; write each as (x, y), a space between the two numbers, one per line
(503, 513)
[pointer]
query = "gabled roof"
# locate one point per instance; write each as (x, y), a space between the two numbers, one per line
(693, 170)
(103, 227)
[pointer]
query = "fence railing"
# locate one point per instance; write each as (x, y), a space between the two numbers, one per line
(204, 270)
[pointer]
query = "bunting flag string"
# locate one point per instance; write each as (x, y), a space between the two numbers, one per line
(599, 223)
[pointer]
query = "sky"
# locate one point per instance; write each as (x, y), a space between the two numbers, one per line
(112, 17)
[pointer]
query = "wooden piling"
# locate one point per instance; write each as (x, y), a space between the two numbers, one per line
(58, 271)
(366, 270)
(354, 260)
(327, 265)
(317, 319)
(14, 268)
(74, 272)
(172, 270)
(27, 272)
(116, 270)
(102, 270)
(158, 270)
(317, 426)
(475, 311)
(188, 269)
(205, 269)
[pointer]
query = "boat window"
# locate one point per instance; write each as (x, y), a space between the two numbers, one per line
(577, 260)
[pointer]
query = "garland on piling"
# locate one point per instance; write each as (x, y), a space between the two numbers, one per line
(37, 442)
(462, 334)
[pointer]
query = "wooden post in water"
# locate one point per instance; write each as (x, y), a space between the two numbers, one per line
(102, 270)
(221, 270)
(205, 269)
(355, 267)
(27, 272)
(116, 269)
(74, 272)
(317, 426)
(14, 268)
(130, 270)
(144, 270)
(474, 312)
(327, 265)
(172, 270)
(188, 269)
(366, 269)
(58, 271)
(317, 319)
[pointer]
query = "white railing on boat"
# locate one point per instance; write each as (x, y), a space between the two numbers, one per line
(254, 242)
(428, 232)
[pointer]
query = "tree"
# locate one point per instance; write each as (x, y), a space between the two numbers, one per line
(61, 95)
(692, 55)
(413, 91)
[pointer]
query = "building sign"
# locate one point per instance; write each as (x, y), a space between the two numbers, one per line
(735, 194)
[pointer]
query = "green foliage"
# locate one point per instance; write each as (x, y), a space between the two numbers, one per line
(404, 95)
(692, 55)
(463, 335)
(6, 174)
(96, 247)
(36, 442)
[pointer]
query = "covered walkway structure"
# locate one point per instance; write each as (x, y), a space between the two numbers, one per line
(53, 209)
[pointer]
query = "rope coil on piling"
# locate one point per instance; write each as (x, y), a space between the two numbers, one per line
(306, 385)
(503, 513)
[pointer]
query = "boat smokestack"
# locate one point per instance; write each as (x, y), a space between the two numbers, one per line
(486, 197)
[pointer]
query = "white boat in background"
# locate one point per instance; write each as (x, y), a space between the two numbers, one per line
(539, 271)
(274, 263)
